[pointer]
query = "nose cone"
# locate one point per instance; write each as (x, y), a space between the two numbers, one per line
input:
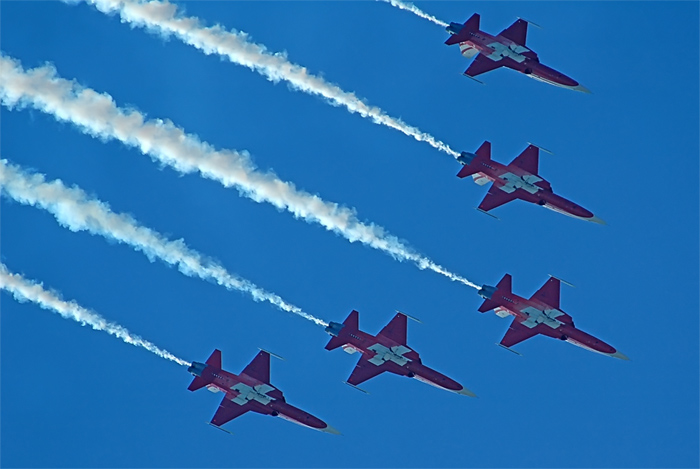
(330, 430)
(466, 392)
(619, 355)
(581, 88)
(597, 220)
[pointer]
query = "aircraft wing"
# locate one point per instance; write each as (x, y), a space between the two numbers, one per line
(228, 411)
(259, 368)
(516, 32)
(396, 329)
(517, 333)
(482, 65)
(549, 293)
(496, 197)
(528, 160)
(365, 370)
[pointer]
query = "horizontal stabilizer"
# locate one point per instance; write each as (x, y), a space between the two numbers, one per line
(215, 359)
(472, 161)
(197, 383)
(351, 323)
(471, 25)
(503, 287)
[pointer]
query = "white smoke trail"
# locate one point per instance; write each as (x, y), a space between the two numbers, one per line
(408, 6)
(97, 115)
(162, 17)
(26, 290)
(75, 210)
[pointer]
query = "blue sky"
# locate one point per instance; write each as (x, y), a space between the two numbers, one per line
(73, 397)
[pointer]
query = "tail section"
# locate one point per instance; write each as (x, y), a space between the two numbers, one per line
(471, 161)
(197, 369)
(215, 359)
(490, 293)
(460, 32)
(352, 323)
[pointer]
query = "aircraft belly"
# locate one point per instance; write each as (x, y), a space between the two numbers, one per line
(545, 80)
(554, 208)
(481, 179)
(502, 312)
(468, 50)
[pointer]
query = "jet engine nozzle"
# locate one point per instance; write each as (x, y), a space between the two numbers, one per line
(486, 292)
(334, 328)
(454, 28)
(197, 368)
(466, 158)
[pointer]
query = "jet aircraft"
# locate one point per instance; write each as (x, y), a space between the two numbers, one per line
(387, 351)
(505, 50)
(538, 315)
(249, 391)
(518, 180)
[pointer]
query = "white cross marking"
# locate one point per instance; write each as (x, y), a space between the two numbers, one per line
(248, 393)
(385, 354)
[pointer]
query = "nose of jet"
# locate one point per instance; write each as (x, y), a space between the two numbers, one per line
(466, 392)
(619, 355)
(330, 430)
(597, 220)
(581, 88)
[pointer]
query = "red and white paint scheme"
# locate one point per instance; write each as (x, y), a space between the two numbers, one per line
(505, 50)
(538, 315)
(518, 180)
(249, 391)
(387, 351)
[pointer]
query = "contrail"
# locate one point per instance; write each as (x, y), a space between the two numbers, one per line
(75, 210)
(408, 6)
(97, 115)
(163, 17)
(26, 290)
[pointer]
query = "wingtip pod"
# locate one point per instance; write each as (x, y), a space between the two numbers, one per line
(410, 317)
(272, 354)
(218, 427)
(562, 281)
(530, 22)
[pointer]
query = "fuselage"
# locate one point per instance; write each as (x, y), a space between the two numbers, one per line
(397, 358)
(262, 397)
(550, 321)
(533, 188)
(515, 56)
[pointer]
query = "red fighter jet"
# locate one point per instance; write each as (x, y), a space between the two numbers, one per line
(538, 315)
(505, 50)
(249, 391)
(387, 351)
(518, 180)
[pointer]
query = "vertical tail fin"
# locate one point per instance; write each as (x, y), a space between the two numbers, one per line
(504, 286)
(351, 323)
(471, 161)
(460, 32)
